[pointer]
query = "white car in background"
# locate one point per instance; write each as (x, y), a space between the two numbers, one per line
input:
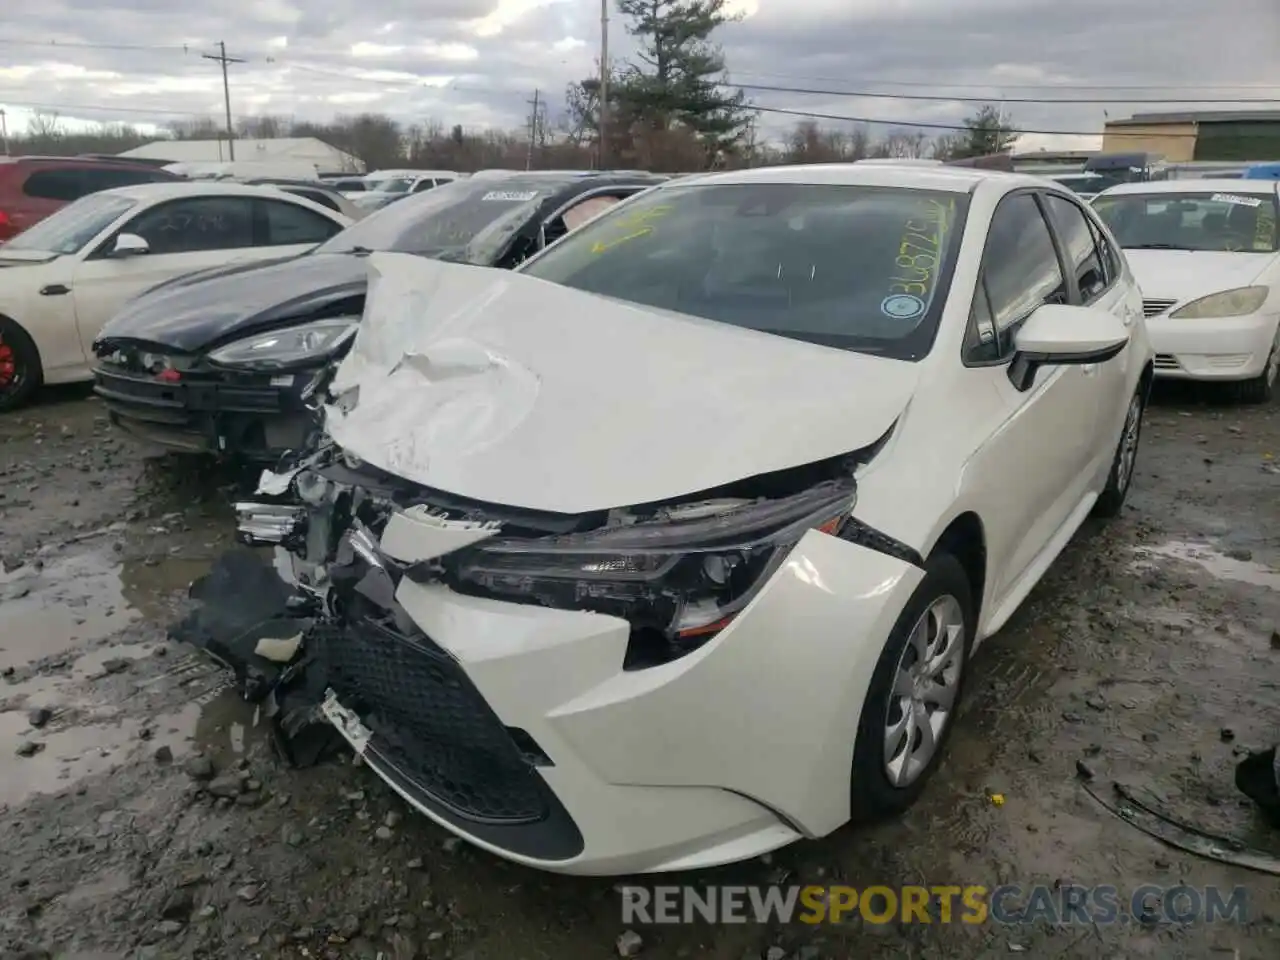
(1207, 257)
(65, 277)
(699, 514)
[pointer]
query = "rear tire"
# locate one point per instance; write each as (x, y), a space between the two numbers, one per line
(890, 769)
(1262, 388)
(20, 370)
(1123, 465)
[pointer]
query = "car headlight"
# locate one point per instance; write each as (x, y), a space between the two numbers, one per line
(1228, 303)
(678, 576)
(290, 347)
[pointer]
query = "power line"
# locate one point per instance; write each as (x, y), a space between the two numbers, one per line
(86, 45)
(923, 125)
(862, 94)
(1001, 85)
(801, 114)
(105, 108)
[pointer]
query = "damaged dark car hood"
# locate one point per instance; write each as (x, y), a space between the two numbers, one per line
(205, 308)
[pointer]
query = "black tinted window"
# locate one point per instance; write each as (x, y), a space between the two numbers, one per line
(198, 223)
(105, 178)
(1019, 267)
(289, 223)
(861, 268)
(65, 184)
(1078, 237)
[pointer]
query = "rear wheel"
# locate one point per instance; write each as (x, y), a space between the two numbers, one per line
(1121, 476)
(1262, 388)
(916, 688)
(20, 372)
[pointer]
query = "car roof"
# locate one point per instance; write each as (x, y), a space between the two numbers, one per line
(83, 162)
(1197, 185)
(146, 192)
(943, 178)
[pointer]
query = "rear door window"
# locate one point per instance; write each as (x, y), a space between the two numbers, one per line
(288, 223)
(64, 183)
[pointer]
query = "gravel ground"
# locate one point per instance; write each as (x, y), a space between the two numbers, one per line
(142, 813)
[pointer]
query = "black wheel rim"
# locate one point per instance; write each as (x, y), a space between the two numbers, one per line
(12, 369)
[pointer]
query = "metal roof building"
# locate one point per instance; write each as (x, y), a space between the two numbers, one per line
(327, 158)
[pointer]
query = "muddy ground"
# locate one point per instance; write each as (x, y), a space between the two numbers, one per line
(1148, 640)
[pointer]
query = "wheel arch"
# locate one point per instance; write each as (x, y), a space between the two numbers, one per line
(8, 318)
(964, 538)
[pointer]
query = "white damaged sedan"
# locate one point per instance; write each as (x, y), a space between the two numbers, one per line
(1206, 254)
(672, 547)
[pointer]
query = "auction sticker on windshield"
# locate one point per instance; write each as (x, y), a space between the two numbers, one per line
(1236, 199)
(509, 196)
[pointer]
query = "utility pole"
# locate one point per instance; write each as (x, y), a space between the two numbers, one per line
(4, 131)
(602, 161)
(223, 59)
(535, 120)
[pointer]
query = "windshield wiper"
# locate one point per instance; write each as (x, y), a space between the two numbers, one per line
(1155, 246)
(358, 251)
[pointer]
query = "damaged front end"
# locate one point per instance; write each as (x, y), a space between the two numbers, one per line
(346, 534)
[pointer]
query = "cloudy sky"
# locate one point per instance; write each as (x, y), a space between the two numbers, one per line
(478, 62)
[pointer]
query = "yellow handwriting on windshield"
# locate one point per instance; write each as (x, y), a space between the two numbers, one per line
(632, 227)
(1265, 230)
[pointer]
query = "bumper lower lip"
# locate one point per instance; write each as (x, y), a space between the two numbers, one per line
(1228, 348)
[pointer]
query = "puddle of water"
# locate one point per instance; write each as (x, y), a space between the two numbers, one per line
(219, 723)
(1216, 563)
(74, 600)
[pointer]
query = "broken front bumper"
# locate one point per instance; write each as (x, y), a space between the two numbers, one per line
(517, 727)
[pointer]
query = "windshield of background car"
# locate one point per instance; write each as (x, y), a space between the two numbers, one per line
(444, 221)
(856, 267)
(393, 185)
(69, 229)
(1235, 222)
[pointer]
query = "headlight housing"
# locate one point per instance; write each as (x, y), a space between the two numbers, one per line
(678, 576)
(1228, 303)
(290, 347)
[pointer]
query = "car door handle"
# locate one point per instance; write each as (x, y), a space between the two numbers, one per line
(54, 290)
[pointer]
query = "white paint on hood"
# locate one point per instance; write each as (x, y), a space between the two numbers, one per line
(1190, 274)
(510, 390)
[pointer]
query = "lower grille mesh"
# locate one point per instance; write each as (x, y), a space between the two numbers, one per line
(430, 722)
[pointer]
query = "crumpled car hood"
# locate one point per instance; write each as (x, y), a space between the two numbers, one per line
(507, 389)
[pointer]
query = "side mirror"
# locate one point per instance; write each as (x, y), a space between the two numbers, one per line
(1056, 334)
(130, 245)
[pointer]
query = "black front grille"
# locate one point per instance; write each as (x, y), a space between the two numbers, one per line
(430, 723)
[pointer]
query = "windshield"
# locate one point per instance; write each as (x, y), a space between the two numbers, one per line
(68, 230)
(447, 222)
(860, 268)
(1235, 222)
(393, 185)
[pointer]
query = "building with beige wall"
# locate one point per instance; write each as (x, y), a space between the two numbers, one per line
(1197, 136)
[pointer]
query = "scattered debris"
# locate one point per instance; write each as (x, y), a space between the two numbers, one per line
(29, 748)
(38, 717)
(629, 943)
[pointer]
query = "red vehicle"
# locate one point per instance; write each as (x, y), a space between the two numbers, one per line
(31, 188)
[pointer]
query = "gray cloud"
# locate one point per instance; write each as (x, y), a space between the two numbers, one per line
(983, 48)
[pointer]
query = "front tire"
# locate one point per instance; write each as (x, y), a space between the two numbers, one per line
(911, 704)
(20, 370)
(1262, 388)
(1120, 477)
